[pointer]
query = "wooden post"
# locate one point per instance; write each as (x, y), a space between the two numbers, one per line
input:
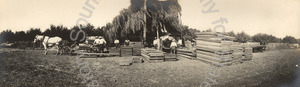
(157, 36)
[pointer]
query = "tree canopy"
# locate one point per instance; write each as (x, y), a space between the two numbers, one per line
(290, 40)
(161, 15)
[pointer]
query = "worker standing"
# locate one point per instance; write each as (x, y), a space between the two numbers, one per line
(126, 42)
(117, 43)
(155, 43)
(173, 46)
(100, 42)
(179, 43)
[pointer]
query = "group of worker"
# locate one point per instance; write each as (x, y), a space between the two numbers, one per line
(174, 44)
(100, 43)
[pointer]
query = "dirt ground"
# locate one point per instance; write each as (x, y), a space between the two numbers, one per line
(30, 68)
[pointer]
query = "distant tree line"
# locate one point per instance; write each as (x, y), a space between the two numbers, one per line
(260, 37)
(60, 31)
(64, 33)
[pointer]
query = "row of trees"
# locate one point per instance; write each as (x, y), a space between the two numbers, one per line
(60, 31)
(64, 32)
(260, 37)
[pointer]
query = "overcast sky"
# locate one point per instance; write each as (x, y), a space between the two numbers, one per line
(276, 17)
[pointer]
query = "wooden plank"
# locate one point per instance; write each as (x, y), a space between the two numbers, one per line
(186, 50)
(213, 62)
(152, 58)
(213, 54)
(188, 54)
(207, 43)
(216, 59)
(213, 48)
(148, 59)
(185, 56)
(202, 42)
(217, 52)
(216, 40)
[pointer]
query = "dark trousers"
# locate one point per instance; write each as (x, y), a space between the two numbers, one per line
(117, 45)
(173, 50)
(100, 47)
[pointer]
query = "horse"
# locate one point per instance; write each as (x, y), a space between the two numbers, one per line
(49, 42)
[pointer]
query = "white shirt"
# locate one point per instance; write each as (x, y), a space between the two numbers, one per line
(155, 42)
(116, 41)
(179, 42)
(173, 44)
(99, 41)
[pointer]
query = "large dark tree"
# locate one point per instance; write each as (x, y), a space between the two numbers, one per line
(59, 31)
(243, 37)
(7, 36)
(20, 36)
(162, 16)
(265, 38)
(290, 40)
(32, 33)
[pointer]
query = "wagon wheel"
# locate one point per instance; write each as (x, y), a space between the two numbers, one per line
(70, 49)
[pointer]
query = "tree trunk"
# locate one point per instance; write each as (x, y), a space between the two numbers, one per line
(145, 26)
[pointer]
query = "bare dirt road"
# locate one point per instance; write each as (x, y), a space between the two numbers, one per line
(32, 68)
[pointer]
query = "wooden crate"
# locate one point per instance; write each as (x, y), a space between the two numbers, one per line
(126, 51)
(136, 51)
(152, 55)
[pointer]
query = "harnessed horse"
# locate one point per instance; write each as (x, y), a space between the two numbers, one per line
(49, 42)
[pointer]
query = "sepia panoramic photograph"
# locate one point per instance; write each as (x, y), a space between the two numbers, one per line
(149, 43)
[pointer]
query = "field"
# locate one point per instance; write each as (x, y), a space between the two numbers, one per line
(24, 67)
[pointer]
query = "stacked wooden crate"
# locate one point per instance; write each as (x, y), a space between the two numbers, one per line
(248, 53)
(136, 46)
(136, 51)
(152, 55)
(214, 48)
(237, 54)
(186, 53)
(126, 51)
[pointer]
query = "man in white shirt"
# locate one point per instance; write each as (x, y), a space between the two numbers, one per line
(179, 42)
(155, 42)
(173, 46)
(99, 42)
(117, 43)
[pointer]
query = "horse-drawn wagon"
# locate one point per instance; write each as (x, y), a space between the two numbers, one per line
(90, 49)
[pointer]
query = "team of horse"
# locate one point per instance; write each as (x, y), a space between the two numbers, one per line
(48, 42)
